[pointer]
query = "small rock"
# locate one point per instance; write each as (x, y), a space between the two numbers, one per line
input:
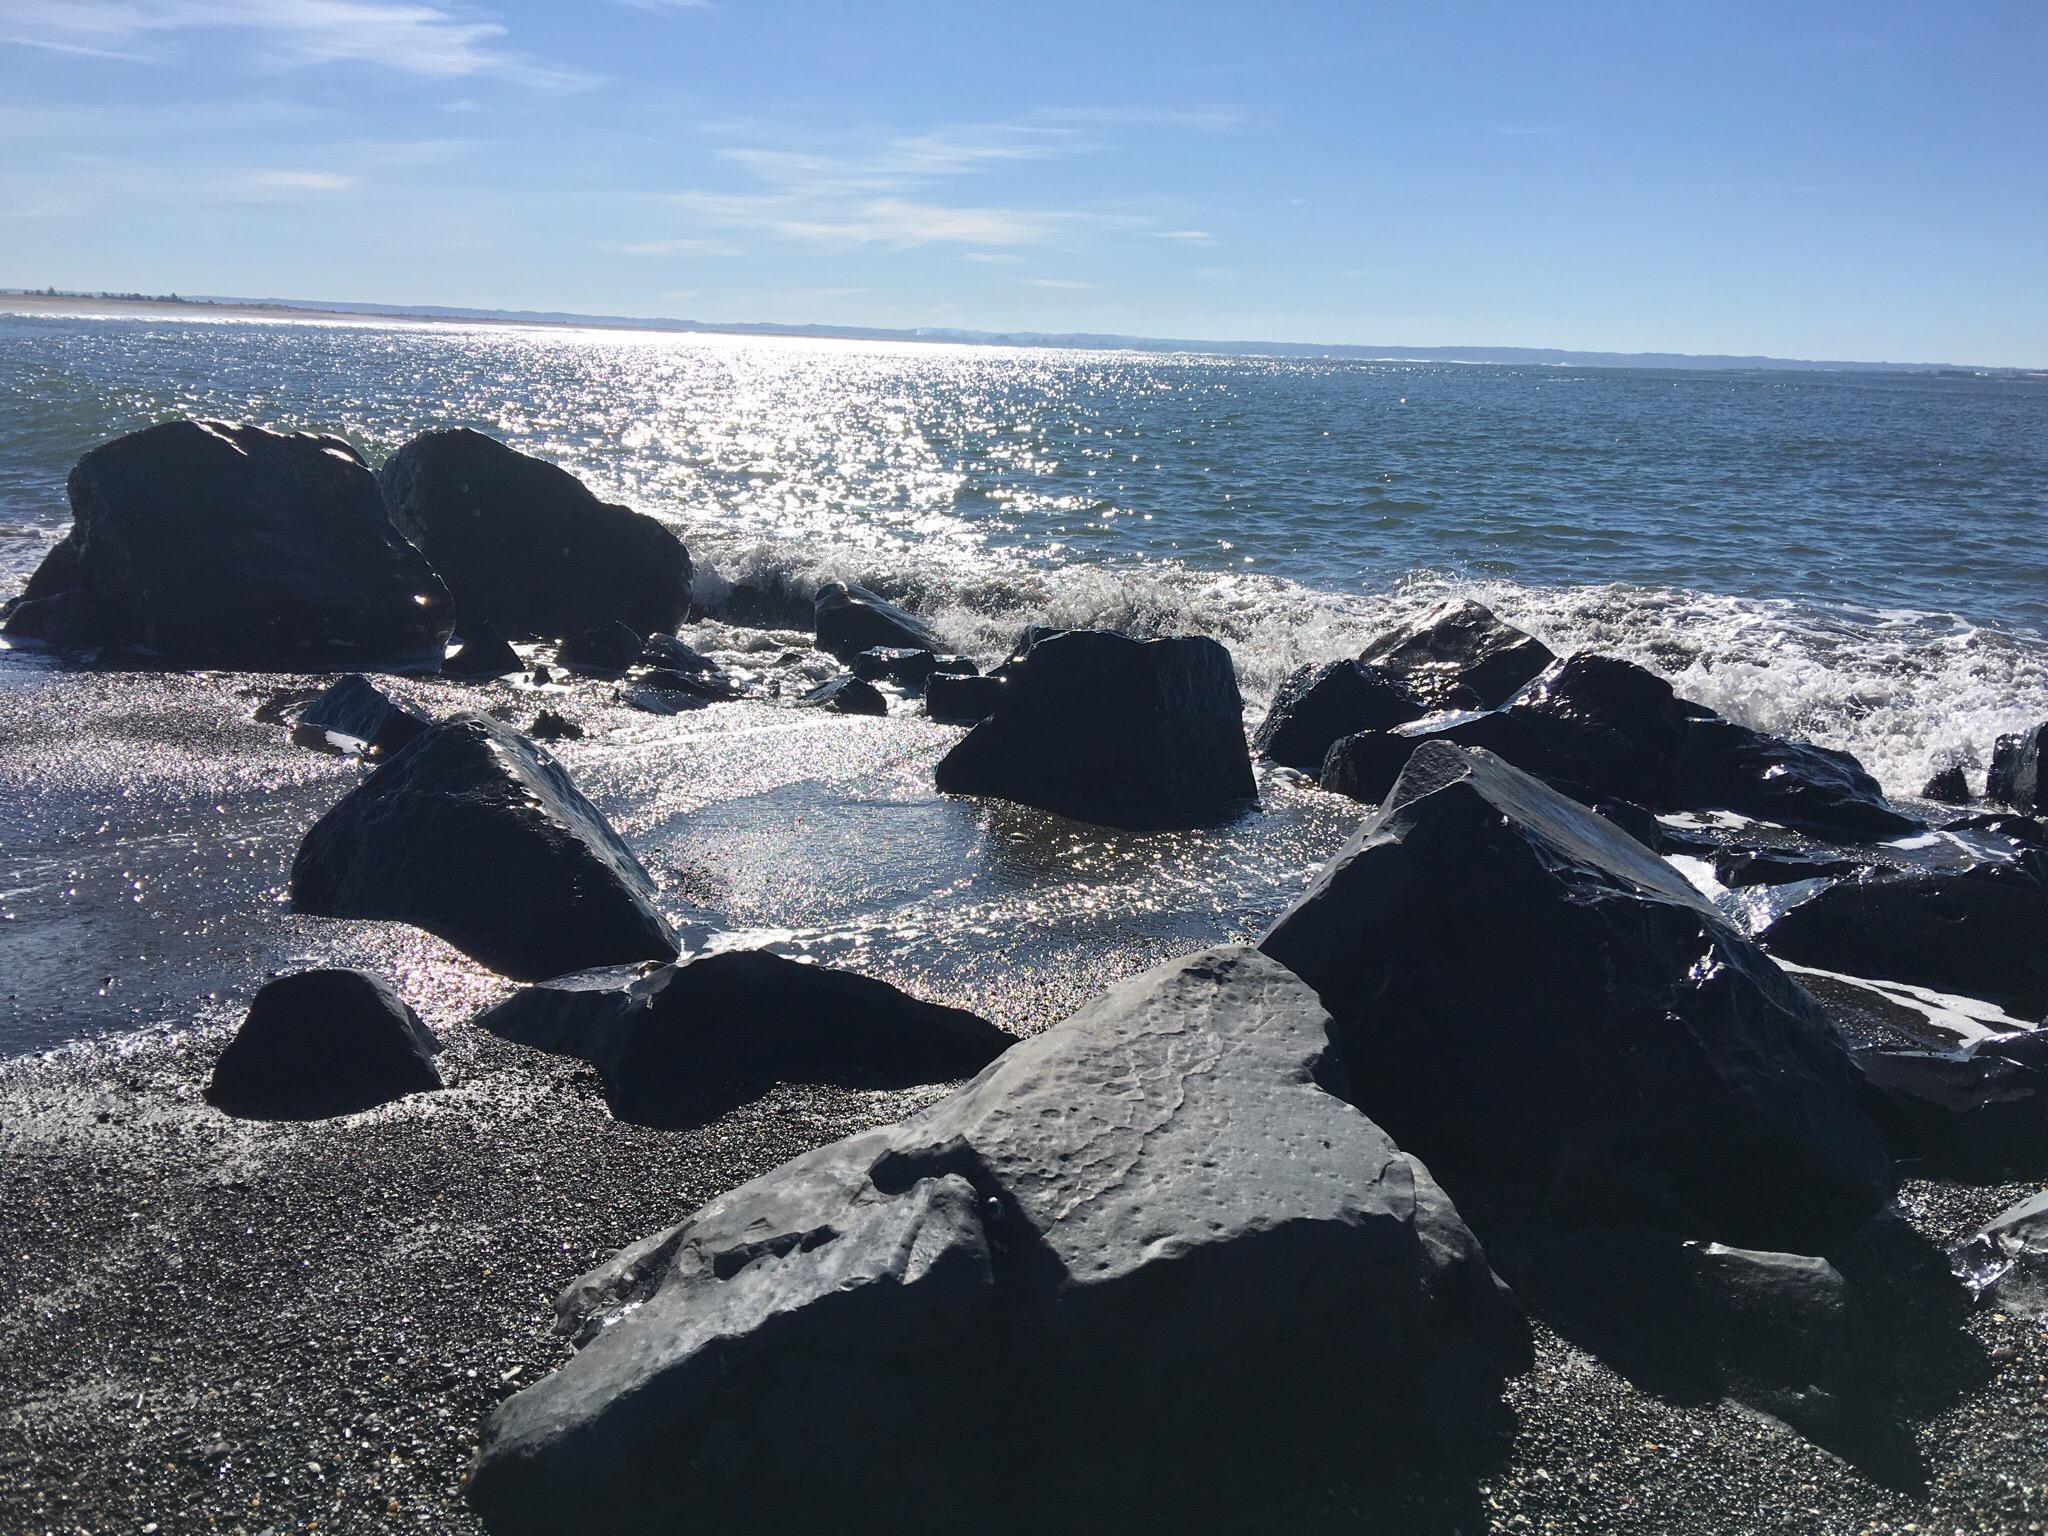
(848, 695)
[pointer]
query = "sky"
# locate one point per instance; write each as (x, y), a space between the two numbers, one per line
(1860, 180)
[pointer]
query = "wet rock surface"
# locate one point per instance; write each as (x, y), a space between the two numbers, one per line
(2005, 1265)
(848, 695)
(525, 546)
(483, 652)
(1459, 655)
(850, 619)
(678, 1044)
(1318, 706)
(605, 650)
(473, 833)
(954, 699)
(206, 543)
(323, 1043)
(1144, 735)
(1086, 1223)
(2015, 777)
(355, 715)
(1976, 1111)
(907, 667)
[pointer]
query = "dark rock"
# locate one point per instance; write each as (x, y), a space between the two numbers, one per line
(483, 653)
(705, 687)
(908, 668)
(847, 694)
(525, 546)
(771, 600)
(955, 699)
(2006, 1264)
(475, 834)
(670, 654)
(1740, 867)
(2015, 777)
(1457, 655)
(1610, 729)
(209, 544)
(2029, 830)
(1365, 766)
(1528, 996)
(1978, 1112)
(1193, 1271)
(1638, 823)
(852, 619)
(604, 650)
(321, 1043)
(1777, 1331)
(1982, 933)
(1140, 734)
(541, 676)
(355, 715)
(1318, 706)
(683, 1043)
(1950, 785)
(549, 726)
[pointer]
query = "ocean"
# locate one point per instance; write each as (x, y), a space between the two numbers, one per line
(1860, 559)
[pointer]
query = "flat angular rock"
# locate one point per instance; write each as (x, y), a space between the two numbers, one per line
(2015, 777)
(670, 654)
(525, 546)
(355, 715)
(475, 834)
(1319, 705)
(1153, 1230)
(1980, 933)
(2006, 1264)
(204, 543)
(1977, 1112)
(848, 695)
(322, 1043)
(604, 650)
(907, 667)
(1145, 735)
(682, 1043)
(1526, 994)
(1457, 655)
(851, 619)
(1949, 785)
(954, 699)
(483, 653)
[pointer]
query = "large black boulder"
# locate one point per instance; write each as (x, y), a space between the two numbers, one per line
(954, 698)
(1457, 655)
(681, 1043)
(475, 834)
(2015, 777)
(1530, 997)
(1140, 734)
(1318, 705)
(525, 545)
(321, 1043)
(851, 619)
(355, 715)
(204, 543)
(1153, 1231)
(1981, 932)
(1610, 729)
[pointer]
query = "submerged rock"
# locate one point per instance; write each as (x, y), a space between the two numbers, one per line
(322, 1043)
(525, 546)
(1528, 996)
(1457, 655)
(204, 543)
(604, 650)
(1193, 1271)
(1981, 932)
(852, 619)
(670, 654)
(1145, 735)
(483, 653)
(2006, 1264)
(475, 834)
(551, 726)
(955, 699)
(848, 695)
(2015, 777)
(1319, 705)
(682, 1043)
(355, 715)
(907, 667)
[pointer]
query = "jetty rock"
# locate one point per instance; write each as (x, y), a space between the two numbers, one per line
(958, 698)
(526, 546)
(847, 694)
(2015, 777)
(1318, 706)
(355, 715)
(1144, 735)
(678, 1044)
(1978, 1111)
(1528, 996)
(1606, 728)
(907, 667)
(322, 1043)
(482, 654)
(1457, 654)
(210, 544)
(1153, 1237)
(476, 834)
(850, 619)
(604, 650)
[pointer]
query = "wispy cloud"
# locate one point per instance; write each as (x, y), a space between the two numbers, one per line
(1055, 282)
(269, 182)
(401, 35)
(690, 246)
(1187, 236)
(993, 258)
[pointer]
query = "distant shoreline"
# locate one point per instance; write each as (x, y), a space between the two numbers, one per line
(176, 307)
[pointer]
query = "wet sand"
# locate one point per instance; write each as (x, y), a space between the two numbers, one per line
(213, 1324)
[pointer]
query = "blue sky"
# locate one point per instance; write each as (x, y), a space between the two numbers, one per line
(1862, 180)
